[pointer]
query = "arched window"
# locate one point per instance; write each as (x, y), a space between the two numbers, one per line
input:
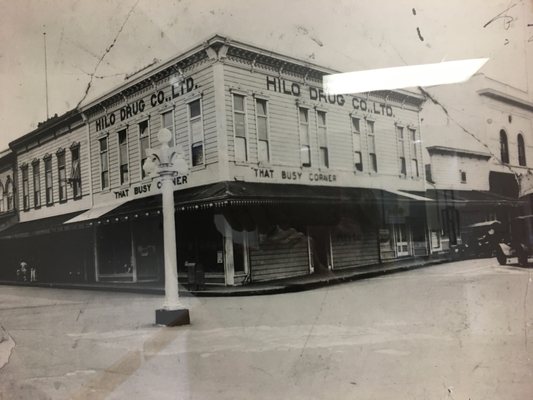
(521, 150)
(504, 147)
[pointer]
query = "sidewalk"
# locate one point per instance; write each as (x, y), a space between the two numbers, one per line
(295, 284)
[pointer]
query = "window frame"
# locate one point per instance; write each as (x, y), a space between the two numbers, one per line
(190, 120)
(504, 147)
(121, 163)
(371, 138)
(62, 170)
(141, 137)
(244, 115)
(173, 130)
(102, 170)
(400, 148)
(521, 147)
(36, 172)
(49, 179)
(267, 127)
(77, 192)
(357, 143)
(323, 159)
(303, 145)
(25, 187)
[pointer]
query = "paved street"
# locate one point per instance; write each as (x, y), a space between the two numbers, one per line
(462, 330)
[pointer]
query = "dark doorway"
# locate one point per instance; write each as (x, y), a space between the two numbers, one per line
(320, 247)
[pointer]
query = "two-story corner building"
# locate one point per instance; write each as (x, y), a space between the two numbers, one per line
(479, 150)
(284, 180)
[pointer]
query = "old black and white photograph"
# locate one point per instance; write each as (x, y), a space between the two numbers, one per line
(299, 199)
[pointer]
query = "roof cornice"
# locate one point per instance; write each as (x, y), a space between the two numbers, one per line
(506, 98)
(457, 152)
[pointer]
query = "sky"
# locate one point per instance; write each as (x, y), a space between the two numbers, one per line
(102, 42)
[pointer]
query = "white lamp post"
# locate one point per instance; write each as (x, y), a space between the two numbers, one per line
(165, 163)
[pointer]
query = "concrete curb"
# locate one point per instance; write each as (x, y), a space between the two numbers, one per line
(275, 287)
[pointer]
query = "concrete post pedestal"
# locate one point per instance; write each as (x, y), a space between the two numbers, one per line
(172, 317)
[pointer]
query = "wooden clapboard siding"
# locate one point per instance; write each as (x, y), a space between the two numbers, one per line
(278, 260)
(284, 140)
(204, 88)
(64, 141)
(350, 251)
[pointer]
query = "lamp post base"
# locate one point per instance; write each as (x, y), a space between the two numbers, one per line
(172, 317)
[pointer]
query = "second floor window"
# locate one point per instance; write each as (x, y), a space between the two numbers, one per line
(263, 151)
(372, 146)
(167, 121)
(36, 185)
(414, 153)
(62, 176)
(104, 165)
(305, 147)
(401, 150)
(322, 138)
(75, 174)
(239, 128)
(197, 133)
(9, 194)
(356, 130)
(48, 179)
(25, 189)
(144, 140)
(123, 156)
(504, 147)
(521, 150)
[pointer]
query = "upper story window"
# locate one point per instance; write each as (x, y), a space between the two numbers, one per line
(239, 127)
(10, 204)
(401, 150)
(263, 151)
(48, 179)
(463, 176)
(2, 205)
(36, 184)
(504, 147)
(75, 173)
(25, 188)
(521, 150)
(62, 176)
(123, 156)
(167, 121)
(322, 138)
(372, 146)
(305, 149)
(104, 164)
(144, 141)
(356, 130)
(414, 152)
(196, 132)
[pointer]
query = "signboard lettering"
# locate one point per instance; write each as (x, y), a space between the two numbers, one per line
(138, 106)
(317, 94)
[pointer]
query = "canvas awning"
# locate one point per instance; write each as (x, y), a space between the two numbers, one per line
(93, 213)
(39, 226)
(408, 195)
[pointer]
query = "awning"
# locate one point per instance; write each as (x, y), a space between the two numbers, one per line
(474, 198)
(93, 213)
(38, 227)
(411, 196)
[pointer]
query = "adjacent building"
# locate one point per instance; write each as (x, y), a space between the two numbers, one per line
(479, 142)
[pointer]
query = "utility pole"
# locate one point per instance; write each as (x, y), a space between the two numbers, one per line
(46, 75)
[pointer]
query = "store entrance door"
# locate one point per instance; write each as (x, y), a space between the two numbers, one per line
(320, 247)
(401, 234)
